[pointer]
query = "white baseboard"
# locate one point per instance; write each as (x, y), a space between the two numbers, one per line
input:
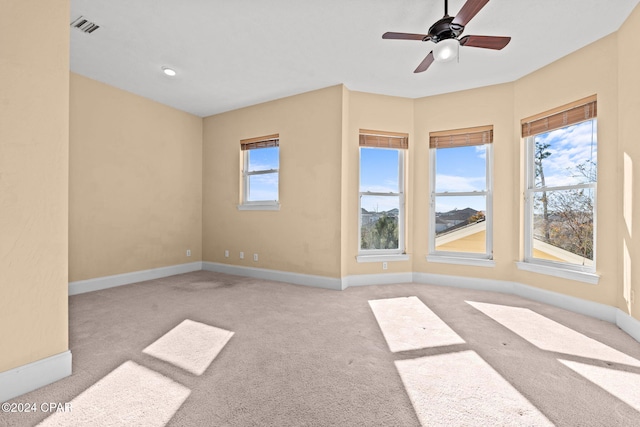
(376, 279)
(280, 276)
(589, 308)
(501, 286)
(628, 324)
(82, 286)
(577, 305)
(26, 378)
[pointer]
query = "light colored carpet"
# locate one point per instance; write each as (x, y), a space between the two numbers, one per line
(622, 384)
(552, 336)
(191, 346)
(461, 389)
(130, 395)
(408, 324)
(303, 356)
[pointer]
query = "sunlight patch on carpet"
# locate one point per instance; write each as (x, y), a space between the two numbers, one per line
(548, 335)
(191, 346)
(458, 389)
(129, 395)
(623, 385)
(408, 324)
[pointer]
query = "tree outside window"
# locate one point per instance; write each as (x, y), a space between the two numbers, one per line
(381, 197)
(561, 195)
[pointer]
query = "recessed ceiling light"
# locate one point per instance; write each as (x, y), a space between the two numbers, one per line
(169, 71)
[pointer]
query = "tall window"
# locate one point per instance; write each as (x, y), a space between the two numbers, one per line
(382, 211)
(560, 196)
(461, 198)
(260, 172)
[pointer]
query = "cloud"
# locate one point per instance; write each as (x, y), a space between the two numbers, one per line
(380, 203)
(569, 147)
(481, 151)
(380, 188)
(453, 183)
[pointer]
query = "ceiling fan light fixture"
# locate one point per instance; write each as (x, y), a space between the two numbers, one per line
(169, 71)
(446, 50)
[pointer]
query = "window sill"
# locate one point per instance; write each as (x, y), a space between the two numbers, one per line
(267, 206)
(579, 276)
(477, 262)
(382, 258)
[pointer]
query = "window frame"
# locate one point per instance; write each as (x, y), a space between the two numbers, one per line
(248, 145)
(574, 113)
(529, 193)
(374, 255)
(450, 257)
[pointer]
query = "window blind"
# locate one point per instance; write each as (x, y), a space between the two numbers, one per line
(570, 114)
(260, 142)
(461, 137)
(380, 139)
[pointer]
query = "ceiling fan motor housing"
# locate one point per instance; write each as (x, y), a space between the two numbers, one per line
(444, 29)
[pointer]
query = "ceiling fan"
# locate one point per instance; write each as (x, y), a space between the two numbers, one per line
(445, 32)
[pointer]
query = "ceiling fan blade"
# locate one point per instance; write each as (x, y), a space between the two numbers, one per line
(486, 42)
(468, 11)
(405, 36)
(426, 62)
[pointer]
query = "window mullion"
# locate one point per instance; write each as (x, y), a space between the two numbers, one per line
(564, 187)
(262, 172)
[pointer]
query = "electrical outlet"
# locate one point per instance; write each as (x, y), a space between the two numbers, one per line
(241, 255)
(188, 252)
(226, 254)
(384, 265)
(255, 257)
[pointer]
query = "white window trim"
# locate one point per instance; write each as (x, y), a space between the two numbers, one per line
(562, 272)
(257, 205)
(260, 206)
(558, 269)
(464, 257)
(383, 258)
(401, 210)
(461, 259)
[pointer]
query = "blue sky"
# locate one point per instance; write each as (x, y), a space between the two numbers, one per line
(264, 187)
(461, 169)
(379, 173)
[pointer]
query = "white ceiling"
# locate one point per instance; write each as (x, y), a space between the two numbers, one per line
(234, 53)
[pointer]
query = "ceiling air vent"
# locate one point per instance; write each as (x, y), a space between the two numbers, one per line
(84, 25)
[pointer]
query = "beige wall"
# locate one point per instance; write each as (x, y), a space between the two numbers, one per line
(491, 105)
(305, 235)
(383, 113)
(136, 183)
(627, 243)
(34, 118)
(346, 199)
(591, 70)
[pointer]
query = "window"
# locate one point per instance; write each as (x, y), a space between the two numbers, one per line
(561, 178)
(461, 198)
(382, 211)
(260, 173)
